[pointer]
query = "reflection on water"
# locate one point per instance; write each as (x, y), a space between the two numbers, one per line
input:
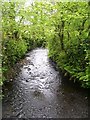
(38, 91)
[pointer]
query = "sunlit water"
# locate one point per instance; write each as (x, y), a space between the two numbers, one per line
(39, 91)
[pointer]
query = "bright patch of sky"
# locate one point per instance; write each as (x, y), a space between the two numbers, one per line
(28, 3)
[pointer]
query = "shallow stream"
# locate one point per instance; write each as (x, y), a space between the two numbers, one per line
(40, 91)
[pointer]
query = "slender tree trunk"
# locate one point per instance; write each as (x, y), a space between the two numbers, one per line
(89, 43)
(89, 18)
(62, 36)
(89, 3)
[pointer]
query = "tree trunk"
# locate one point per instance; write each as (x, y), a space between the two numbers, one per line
(62, 36)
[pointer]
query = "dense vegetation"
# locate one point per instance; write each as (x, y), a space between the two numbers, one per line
(70, 45)
(62, 27)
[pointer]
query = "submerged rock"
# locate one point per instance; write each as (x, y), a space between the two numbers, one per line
(36, 93)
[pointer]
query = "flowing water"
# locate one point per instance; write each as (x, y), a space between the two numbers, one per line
(40, 91)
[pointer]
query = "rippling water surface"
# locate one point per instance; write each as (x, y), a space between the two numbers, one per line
(39, 91)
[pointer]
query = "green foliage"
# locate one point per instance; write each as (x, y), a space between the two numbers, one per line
(23, 30)
(72, 54)
(16, 49)
(13, 46)
(63, 27)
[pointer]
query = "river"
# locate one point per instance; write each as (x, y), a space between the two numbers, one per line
(40, 91)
